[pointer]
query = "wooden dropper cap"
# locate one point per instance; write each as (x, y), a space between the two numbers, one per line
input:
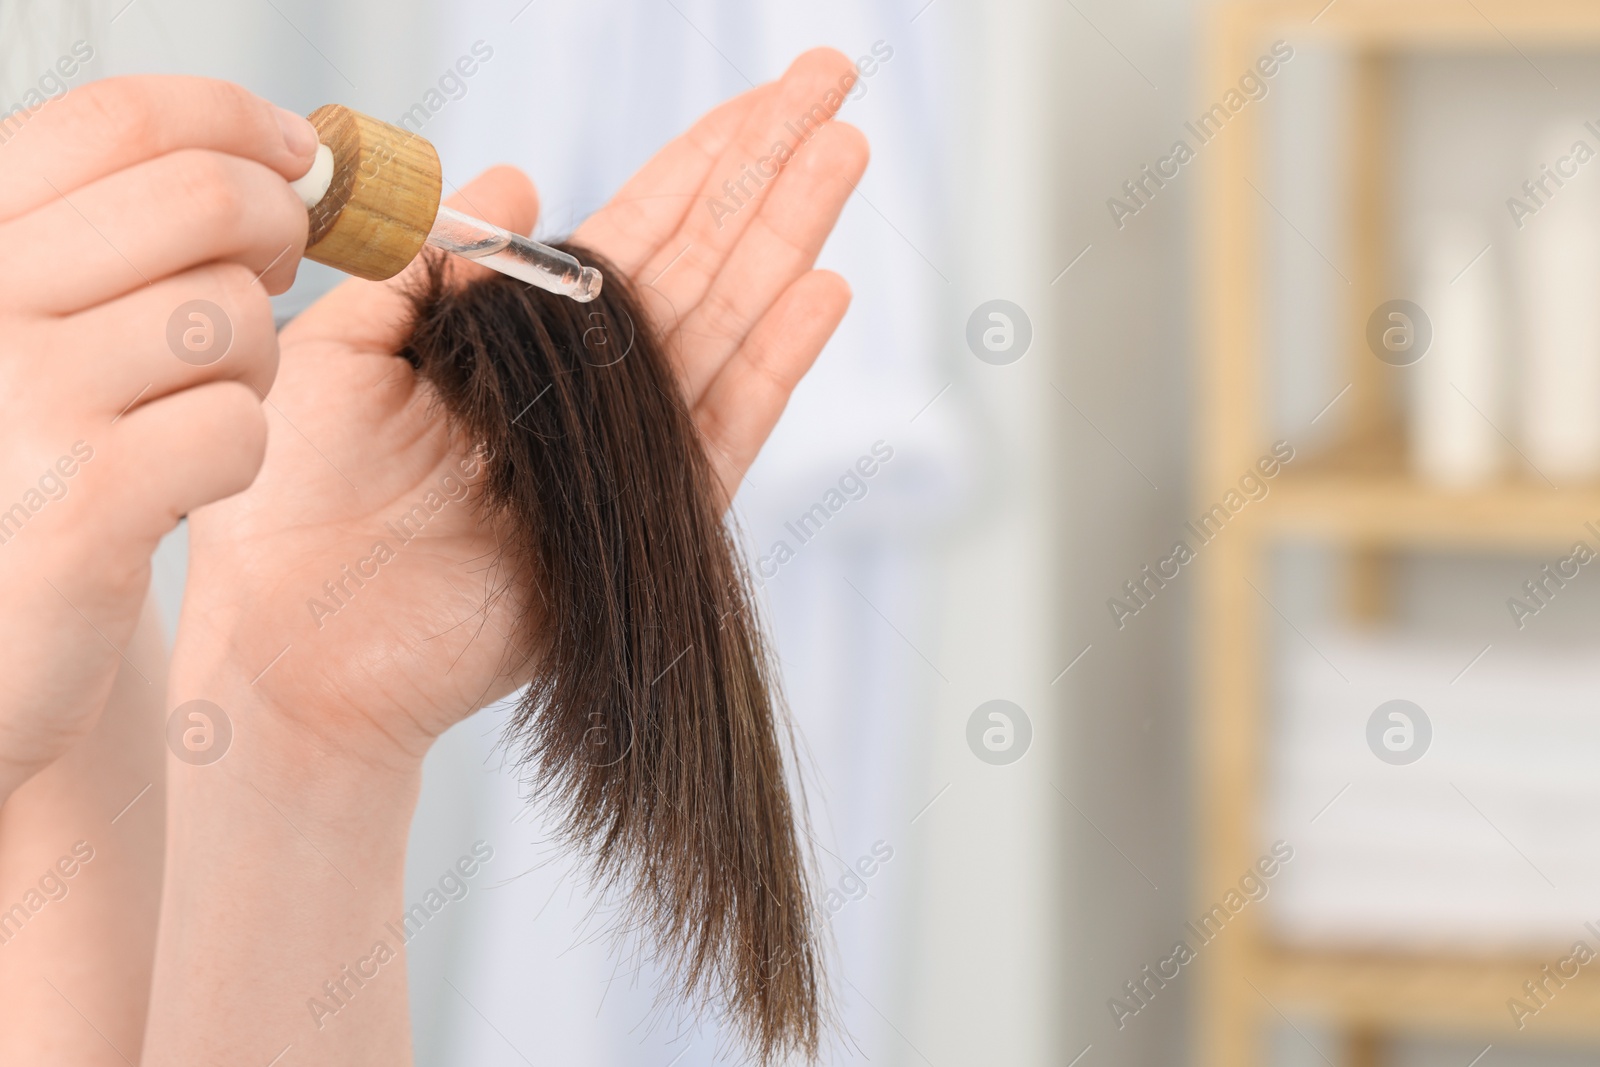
(383, 197)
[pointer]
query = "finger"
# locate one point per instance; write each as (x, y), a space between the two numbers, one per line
(375, 316)
(780, 245)
(109, 125)
(777, 128)
(632, 225)
(213, 323)
(184, 452)
(743, 402)
(149, 222)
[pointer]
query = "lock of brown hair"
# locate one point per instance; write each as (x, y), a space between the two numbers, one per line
(650, 723)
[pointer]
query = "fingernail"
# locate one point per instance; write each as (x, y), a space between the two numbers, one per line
(298, 134)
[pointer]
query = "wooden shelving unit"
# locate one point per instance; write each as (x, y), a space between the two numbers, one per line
(1383, 507)
(1359, 499)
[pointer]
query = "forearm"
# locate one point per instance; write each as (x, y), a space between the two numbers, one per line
(285, 869)
(76, 948)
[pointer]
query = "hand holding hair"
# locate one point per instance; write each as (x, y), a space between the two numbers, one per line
(333, 709)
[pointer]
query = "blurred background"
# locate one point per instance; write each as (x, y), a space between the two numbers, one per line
(1207, 674)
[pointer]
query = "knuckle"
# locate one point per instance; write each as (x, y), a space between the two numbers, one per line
(246, 302)
(243, 295)
(258, 363)
(272, 220)
(226, 98)
(252, 364)
(236, 283)
(290, 224)
(227, 416)
(235, 400)
(769, 375)
(238, 407)
(209, 188)
(119, 112)
(720, 316)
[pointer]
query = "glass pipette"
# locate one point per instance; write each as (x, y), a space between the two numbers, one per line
(512, 254)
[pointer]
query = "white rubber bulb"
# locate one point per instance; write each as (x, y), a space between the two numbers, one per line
(312, 186)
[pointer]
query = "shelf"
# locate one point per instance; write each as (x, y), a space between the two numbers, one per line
(1432, 25)
(1398, 511)
(1366, 497)
(1412, 994)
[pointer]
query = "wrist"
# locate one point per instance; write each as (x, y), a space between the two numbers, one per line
(250, 736)
(279, 719)
(28, 750)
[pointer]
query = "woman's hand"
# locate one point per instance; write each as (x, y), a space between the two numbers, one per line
(350, 593)
(121, 409)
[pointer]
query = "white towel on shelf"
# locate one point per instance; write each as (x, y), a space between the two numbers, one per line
(1491, 840)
